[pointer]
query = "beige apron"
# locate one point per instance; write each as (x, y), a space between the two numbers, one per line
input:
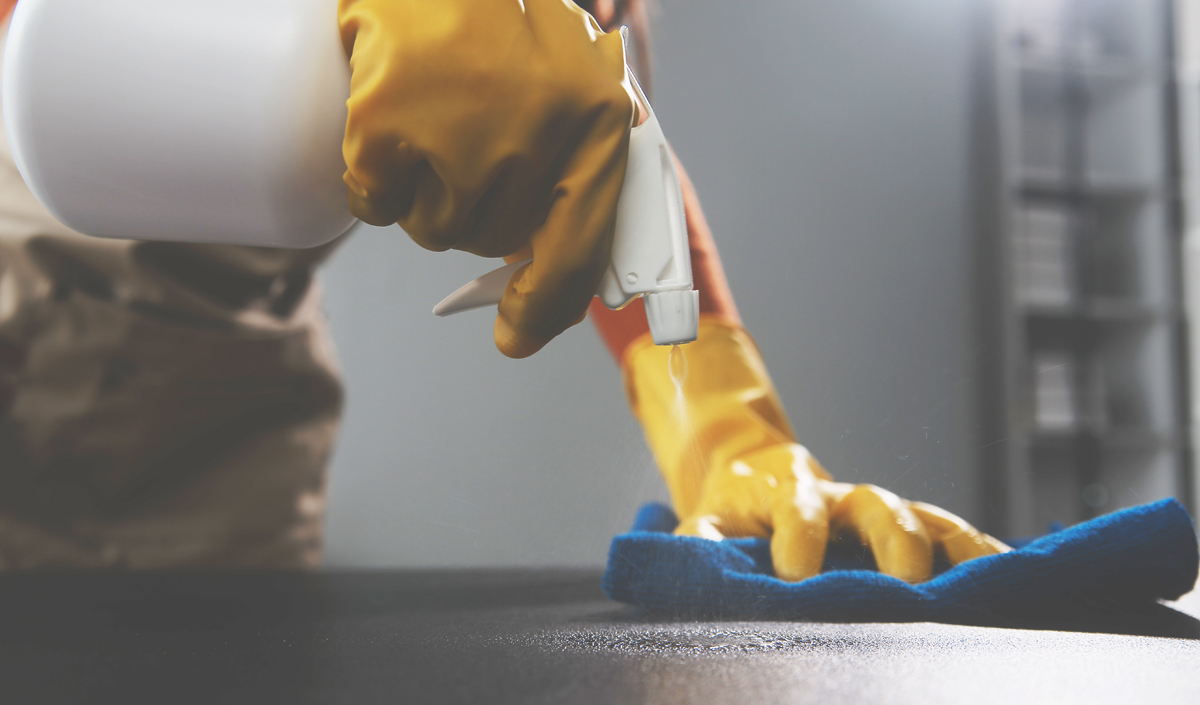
(161, 405)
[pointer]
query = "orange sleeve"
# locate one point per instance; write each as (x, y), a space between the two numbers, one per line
(6, 7)
(620, 328)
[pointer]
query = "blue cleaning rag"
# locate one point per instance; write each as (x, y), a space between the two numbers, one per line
(1128, 558)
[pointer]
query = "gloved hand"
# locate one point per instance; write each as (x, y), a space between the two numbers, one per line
(495, 127)
(733, 467)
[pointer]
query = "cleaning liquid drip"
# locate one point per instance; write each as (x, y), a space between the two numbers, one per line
(677, 368)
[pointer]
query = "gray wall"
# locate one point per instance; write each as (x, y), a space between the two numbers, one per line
(830, 145)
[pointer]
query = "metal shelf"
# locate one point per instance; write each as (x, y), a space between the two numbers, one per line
(1117, 439)
(1102, 310)
(1045, 182)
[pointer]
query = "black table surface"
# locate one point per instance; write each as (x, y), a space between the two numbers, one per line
(530, 637)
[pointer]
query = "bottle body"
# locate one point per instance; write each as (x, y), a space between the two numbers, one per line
(219, 121)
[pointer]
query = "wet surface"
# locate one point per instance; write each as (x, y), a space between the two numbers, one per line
(529, 637)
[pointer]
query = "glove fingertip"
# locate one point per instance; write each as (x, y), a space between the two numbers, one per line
(792, 568)
(996, 545)
(705, 527)
(905, 556)
(512, 343)
(799, 552)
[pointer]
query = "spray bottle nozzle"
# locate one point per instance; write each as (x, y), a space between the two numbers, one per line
(674, 316)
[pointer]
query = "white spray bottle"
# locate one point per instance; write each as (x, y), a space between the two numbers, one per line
(221, 121)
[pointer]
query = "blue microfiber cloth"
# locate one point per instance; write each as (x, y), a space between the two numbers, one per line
(1115, 562)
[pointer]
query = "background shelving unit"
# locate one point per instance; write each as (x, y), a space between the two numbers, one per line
(1090, 374)
(1187, 92)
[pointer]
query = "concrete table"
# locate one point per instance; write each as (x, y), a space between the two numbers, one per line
(529, 637)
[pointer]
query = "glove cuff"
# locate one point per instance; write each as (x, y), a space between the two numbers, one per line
(724, 407)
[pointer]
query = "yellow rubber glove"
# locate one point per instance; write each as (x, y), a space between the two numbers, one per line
(733, 467)
(495, 127)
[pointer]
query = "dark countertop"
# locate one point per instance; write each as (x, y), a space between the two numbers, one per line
(528, 637)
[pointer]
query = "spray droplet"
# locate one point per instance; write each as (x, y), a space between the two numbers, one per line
(677, 367)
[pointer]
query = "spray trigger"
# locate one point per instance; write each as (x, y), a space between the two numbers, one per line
(650, 256)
